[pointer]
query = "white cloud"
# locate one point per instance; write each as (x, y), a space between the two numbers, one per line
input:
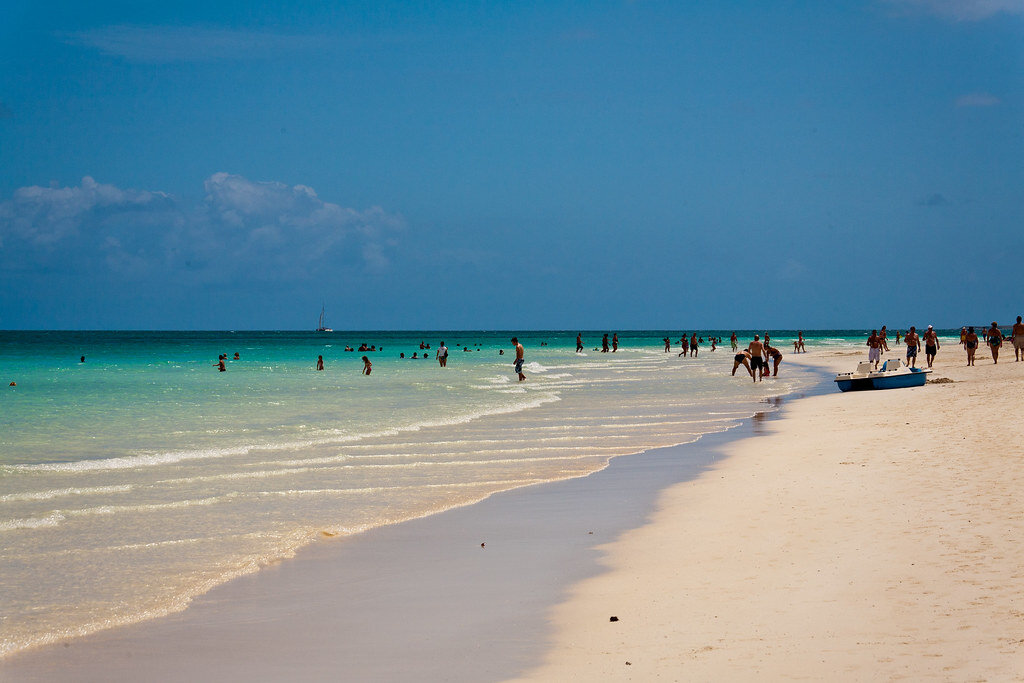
(978, 99)
(190, 43)
(962, 10)
(257, 230)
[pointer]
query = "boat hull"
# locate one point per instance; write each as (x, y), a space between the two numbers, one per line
(916, 377)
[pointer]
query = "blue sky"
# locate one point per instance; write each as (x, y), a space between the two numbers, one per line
(589, 165)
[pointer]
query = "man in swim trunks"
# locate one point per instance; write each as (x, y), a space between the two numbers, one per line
(732, 340)
(742, 358)
(931, 345)
(693, 344)
(912, 341)
(756, 350)
(1018, 339)
(579, 343)
(519, 358)
(874, 349)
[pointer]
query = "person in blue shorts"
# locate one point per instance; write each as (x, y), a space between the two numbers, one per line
(912, 342)
(519, 358)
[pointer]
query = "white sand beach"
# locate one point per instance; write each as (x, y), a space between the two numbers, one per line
(864, 536)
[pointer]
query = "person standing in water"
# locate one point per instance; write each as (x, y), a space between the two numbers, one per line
(367, 366)
(579, 343)
(520, 357)
(319, 362)
(756, 349)
(615, 342)
(604, 344)
(442, 355)
(732, 340)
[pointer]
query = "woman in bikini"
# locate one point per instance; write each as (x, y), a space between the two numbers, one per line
(995, 341)
(970, 344)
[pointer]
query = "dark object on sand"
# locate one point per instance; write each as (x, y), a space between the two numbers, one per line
(613, 619)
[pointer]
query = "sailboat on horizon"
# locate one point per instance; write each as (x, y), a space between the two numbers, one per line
(320, 325)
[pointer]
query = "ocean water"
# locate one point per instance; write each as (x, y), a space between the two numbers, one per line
(142, 477)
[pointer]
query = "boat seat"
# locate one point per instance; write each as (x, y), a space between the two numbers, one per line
(892, 364)
(865, 366)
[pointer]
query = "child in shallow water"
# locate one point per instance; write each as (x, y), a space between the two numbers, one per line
(367, 366)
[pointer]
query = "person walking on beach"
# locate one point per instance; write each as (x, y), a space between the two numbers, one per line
(693, 344)
(732, 340)
(912, 341)
(319, 362)
(995, 341)
(800, 341)
(668, 344)
(368, 366)
(741, 358)
(520, 356)
(604, 343)
(615, 342)
(970, 344)
(931, 345)
(756, 349)
(1018, 339)
(442, 355)
(883, 337)
(874, 349)
(579, 343)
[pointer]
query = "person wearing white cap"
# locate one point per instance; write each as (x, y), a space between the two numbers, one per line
(931, 345)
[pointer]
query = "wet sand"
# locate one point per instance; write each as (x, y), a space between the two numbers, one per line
(868, 536)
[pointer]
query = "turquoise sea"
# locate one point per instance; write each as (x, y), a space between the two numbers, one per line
(142, 477)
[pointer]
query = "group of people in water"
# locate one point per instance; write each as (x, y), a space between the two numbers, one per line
(760, 359)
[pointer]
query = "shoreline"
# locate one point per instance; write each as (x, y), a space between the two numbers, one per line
(538, 549)
(895, 556)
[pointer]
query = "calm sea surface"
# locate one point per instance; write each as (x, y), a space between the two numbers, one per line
(142, 477)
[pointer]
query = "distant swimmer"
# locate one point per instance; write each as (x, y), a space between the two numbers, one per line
(520, 357)
(579, 343)
(995, 341)
(742, 358)
(931, 345)
(970, 344)
(368, 366)
(442, 355)
(913, 342)
(874, 348)
(319, 362)
(756, 349)
(13, 384)
(220, 364)
(615, 342)
(1018, 339)
(82, 359)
